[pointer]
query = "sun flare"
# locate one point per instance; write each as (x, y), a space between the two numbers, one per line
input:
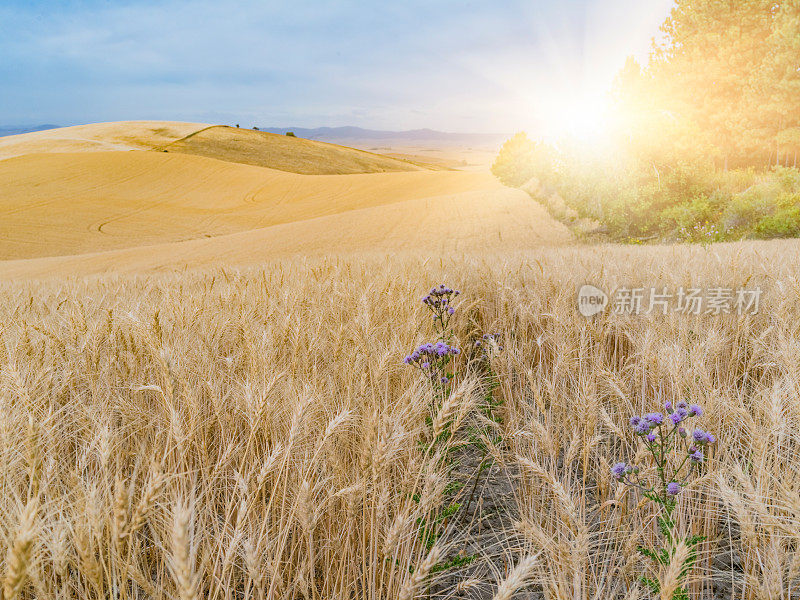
(583, 118)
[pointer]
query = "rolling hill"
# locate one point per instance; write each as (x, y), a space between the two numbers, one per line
(293, 154)
(122, 135)
(134, 207)
(246, 146)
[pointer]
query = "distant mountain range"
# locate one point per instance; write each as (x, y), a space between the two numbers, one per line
(335, 134)
(346, 134)
(16, 130)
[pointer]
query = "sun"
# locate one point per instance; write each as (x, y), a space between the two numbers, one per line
(585, 119)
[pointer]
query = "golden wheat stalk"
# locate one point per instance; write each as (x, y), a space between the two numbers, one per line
(518, 578)
(672, 577)
(18, 557)
(182, 568)
(414, 582)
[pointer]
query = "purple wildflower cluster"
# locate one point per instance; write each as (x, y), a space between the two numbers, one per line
(439, 298)
(432, 359)
(674, 451)
(676, 455)
(440, 302)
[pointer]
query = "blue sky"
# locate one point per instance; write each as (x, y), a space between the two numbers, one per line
(493, 66)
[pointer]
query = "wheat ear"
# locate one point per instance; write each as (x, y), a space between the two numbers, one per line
(19, 553)
(517, 579)
(413, 584)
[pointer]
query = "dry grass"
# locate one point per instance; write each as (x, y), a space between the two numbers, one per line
(253, 434)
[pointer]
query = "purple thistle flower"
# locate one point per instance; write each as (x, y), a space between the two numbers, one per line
(695, 410)
(651, 437)
(679, 415)
(673, 488)
(635, 421)
(668, 406)
(451, 310)
(682, 432)
(696, 456)
(643, 427)
(703, 437)
(619, 470)
(656, 418)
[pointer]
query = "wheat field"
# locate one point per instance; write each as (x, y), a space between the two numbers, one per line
(253, 433)
(56, 204)
(141, 196)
